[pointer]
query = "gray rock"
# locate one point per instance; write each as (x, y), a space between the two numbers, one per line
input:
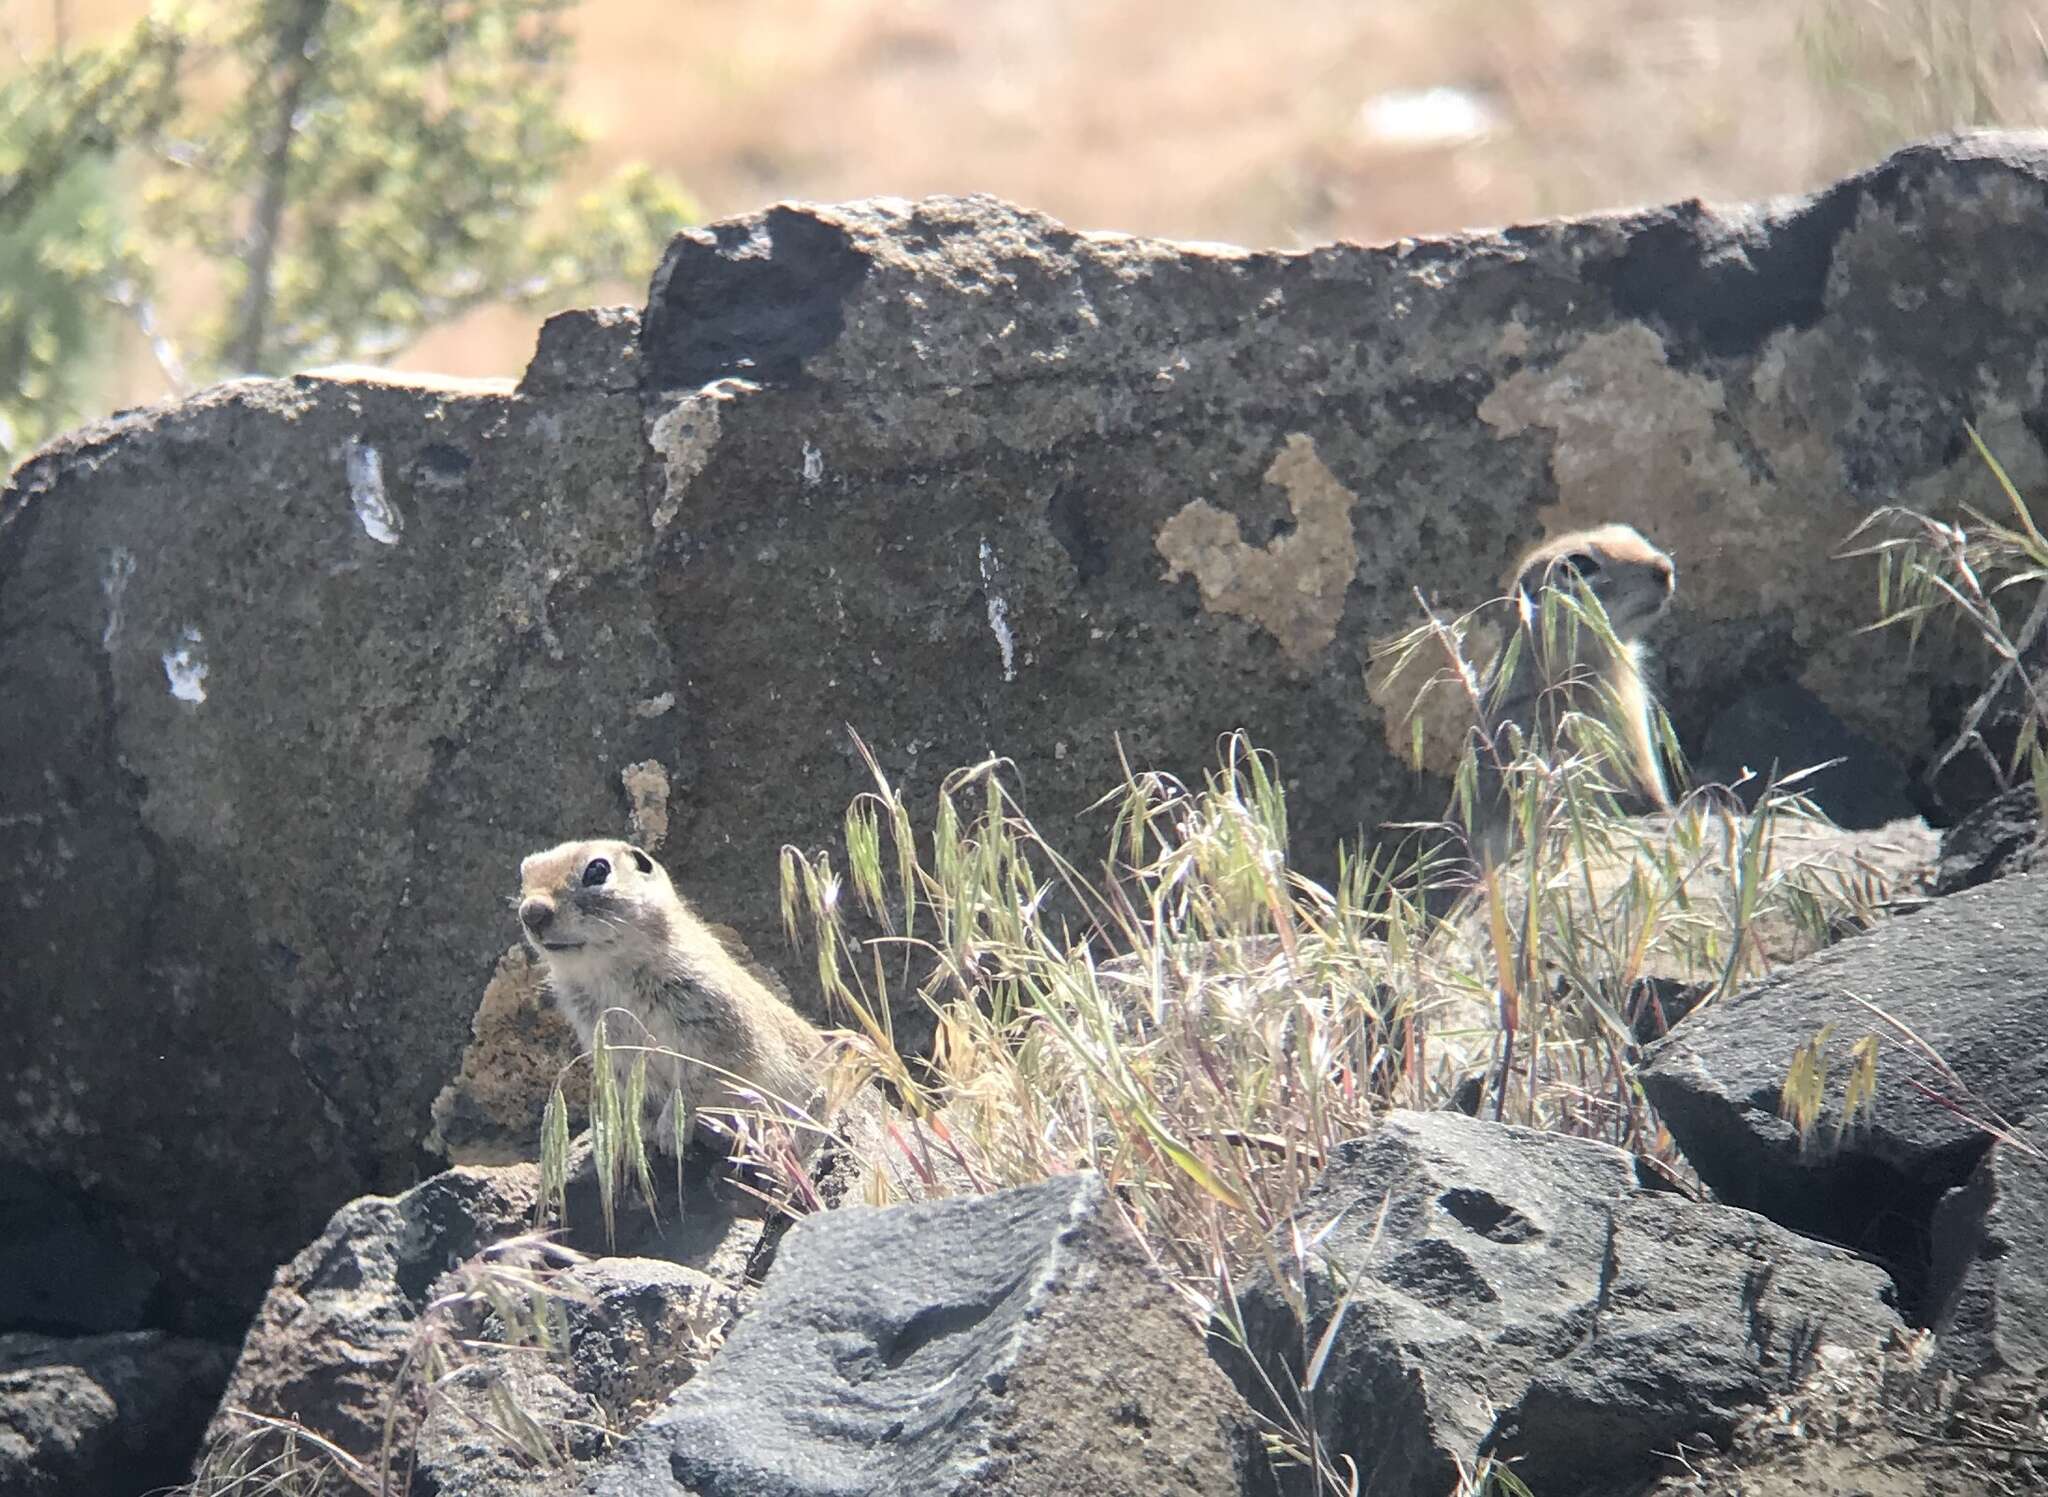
(640, 1319)
(330, 1338)
(1516, 1294)
(508, 1425)
(330, 1341)
(61, 1270)
(949, 470)
(596, 350)
(1014, 1343)
(115, 1415)
(522, 1422)
(2004, 835)
(1774, 731)
(1966, 977)
(1989, 1273)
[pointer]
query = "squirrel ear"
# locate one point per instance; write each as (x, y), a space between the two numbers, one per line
(641, 861)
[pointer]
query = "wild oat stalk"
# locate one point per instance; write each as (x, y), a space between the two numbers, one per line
(1991, 576)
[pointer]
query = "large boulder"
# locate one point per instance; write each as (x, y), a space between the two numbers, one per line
(297, 669)
(1932, 1171)
(1465, 1290)
(1018, 1343)
(117, 1414)
(344, 1344)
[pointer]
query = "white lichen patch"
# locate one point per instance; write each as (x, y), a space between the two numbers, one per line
(185, 666)
(364, 467)
(998, 611)
(684, 436)
(1292, 588)
(647, 790)
(114, 585)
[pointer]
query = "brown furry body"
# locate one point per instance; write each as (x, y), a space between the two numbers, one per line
(1633, 581)
(619, 943)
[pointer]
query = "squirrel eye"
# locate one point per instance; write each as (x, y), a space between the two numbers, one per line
(641, 861)
(1584, 563)
(595, 872)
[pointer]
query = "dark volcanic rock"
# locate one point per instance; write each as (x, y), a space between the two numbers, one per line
(1775, 731)
(1015, 1343)
(297, 670)
(2004, 835)
(1974, 769)
(1516, 1294)
(1990, 1266)
(60, 1270)
(116, 1415)
(1966, 978)
(332, 1336)
(635, 1328)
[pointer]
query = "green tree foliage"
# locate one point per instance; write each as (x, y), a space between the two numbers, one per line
(345, 173)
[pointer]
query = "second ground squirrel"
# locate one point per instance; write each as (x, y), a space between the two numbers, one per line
(620, 944)
(1633, 582)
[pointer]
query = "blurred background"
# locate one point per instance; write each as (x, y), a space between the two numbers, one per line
(263, 185)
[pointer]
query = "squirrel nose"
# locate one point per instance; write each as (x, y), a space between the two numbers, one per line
(537, 914)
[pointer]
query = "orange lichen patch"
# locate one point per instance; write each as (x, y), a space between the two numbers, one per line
(1292, 588)
(646, 786)
(1636, 441)
(1421, 686)
(490, 1113)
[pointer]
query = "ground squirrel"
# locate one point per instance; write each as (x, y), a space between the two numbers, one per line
(1633, 581)
(617, 939)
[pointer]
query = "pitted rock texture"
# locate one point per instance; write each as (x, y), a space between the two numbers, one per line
(298, 669)
(1955, 998)
(1016, 1343)
(2004, 835)
(116, 1414)
(332, 1339)
(1517, 1295)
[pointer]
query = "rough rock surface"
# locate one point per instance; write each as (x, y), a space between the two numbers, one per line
(61, 1269)
(116, 1415)
(1880, 1427)
(521, 1048)
(1014, 1343)
(328, 1344)
(1962, 979)
(1517, 1294)
(2004, 835)
(635, 1329)
(297, 669)
(1989, 1265)
(1777, 730)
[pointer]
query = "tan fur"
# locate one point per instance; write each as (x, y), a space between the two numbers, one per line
(628, 948)
(1633, 581)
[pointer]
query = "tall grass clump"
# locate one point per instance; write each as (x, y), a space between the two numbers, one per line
(1190, 1015)
(1201, 1022)
(1988, 575)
